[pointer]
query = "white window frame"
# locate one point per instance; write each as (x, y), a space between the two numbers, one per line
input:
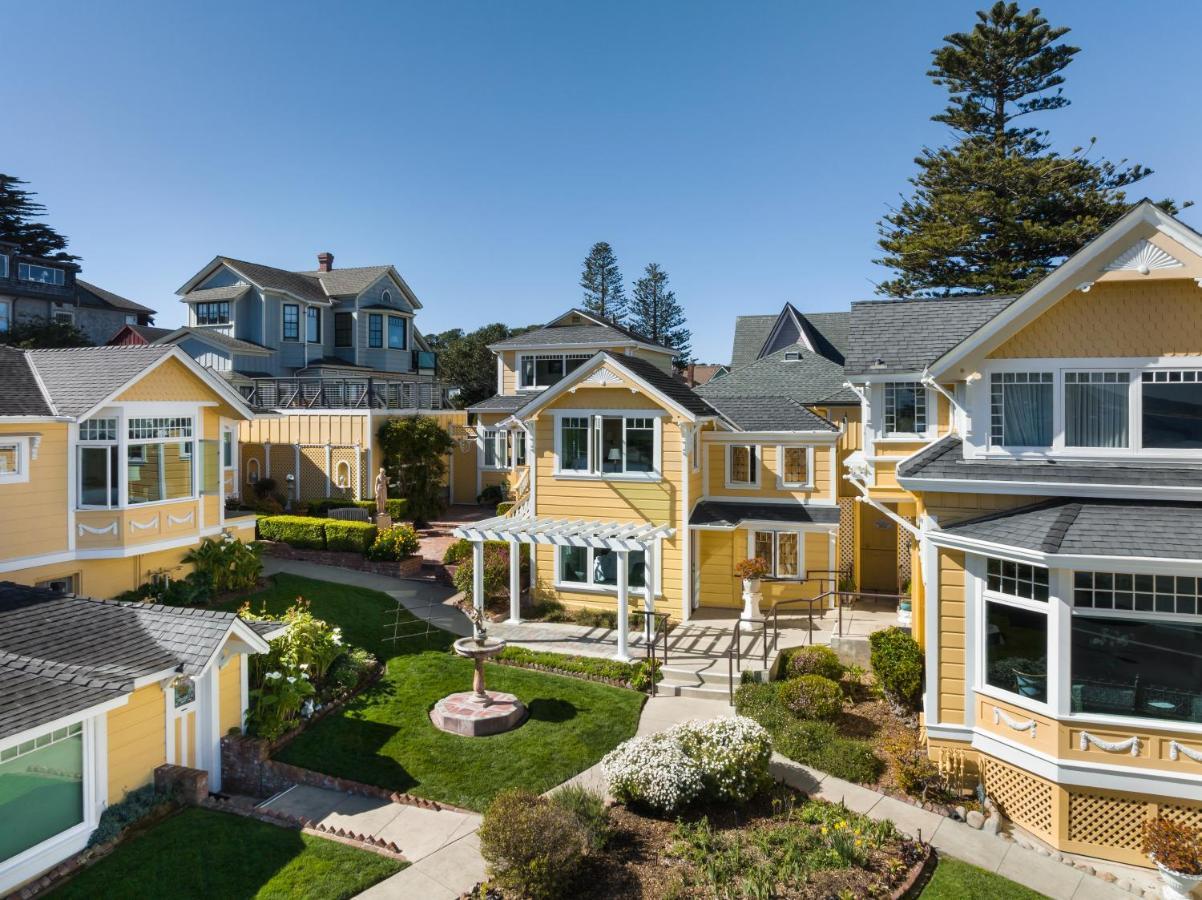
(499, 438)
(123, 442)
(1048, 608)
(594, 418)
(781, 483)
(63, 316)
(591, 587)
(581, 357)
(518, 442)
(131, 318)
(774, 562)
(386, 297)
(22, 447)
(756, 462)
(920, 391)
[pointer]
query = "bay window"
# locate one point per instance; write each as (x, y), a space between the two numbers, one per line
(98, 459)
(781, 550)
(41, 789)
(598, 568)
(375, 330)
(1016, 629)
(1172, 409)
(905, 408)
(541, 370)
(608, 445)
(742, 465)
(1095, 409)
(1020, 409)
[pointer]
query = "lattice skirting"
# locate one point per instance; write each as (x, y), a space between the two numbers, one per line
(847, 534)
(1024, 798)
(904, 544)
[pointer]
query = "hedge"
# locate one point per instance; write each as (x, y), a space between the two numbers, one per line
(504, 507)
(396, 507)
(297, 531)
(353, 536)
(589, 666)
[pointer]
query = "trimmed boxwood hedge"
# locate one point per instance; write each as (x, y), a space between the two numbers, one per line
(303, 532)
(354, 536)
(396, 507)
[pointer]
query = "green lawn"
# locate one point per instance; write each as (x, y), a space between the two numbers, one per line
(205, 854)
(385, 737)
(956, 880)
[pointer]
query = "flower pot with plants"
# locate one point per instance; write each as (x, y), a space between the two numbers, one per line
(752, 571)
(1177, 851)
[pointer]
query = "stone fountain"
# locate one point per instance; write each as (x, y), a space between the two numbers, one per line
(478, 712)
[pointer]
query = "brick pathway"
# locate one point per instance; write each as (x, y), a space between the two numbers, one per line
(436, 537)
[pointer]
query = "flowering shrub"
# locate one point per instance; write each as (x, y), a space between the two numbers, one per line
(394, 543)
(751, 568)
(812, 697)
(732, 753)
(653, 771)
(816, 660)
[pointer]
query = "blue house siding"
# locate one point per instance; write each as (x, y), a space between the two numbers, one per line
(223, 277)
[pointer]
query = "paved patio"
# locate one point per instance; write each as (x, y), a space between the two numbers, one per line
(436, 536)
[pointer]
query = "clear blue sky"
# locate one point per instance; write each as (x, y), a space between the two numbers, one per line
(749, 148)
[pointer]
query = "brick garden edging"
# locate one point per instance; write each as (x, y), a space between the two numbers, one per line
(583, 676)
(347, 559)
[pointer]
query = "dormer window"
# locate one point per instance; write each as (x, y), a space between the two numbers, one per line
(213, 313)
(40, 274)
(541, 370)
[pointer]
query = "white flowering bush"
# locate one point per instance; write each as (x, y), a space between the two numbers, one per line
(723, 759)
(654, 772)
(732, 754)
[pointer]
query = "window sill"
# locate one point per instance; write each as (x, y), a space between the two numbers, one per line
(785, 486)
(741, 487)
(148, 505)
(577, 587)
(609, 476)
(902, 438)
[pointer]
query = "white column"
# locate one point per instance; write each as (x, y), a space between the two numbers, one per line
(649, 570)
(623, 605)
(515, 582)
(478, 574)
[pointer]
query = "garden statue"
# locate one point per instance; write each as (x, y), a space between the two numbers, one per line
(383, 520)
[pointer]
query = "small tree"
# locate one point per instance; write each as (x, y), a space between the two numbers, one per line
(602, 283)
(465, 362)
(657, 314)
(17, 208)
(43, 334)
(415, 450)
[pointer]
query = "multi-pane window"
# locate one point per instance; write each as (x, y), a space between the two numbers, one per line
(1017, 579)
(742, 465)
(41, 274)
(794, 466)
(1138, 593)
(496, 455)
(98, 430)
(1172, 409)
(375, 330)
(627, 444)
(160, 427)
(599, 568)
(573, 444)
(1095, 409)
(519, 448)
(212, 313)
(43, 780)
(397, 336)
(905, 408)
(781, 550)
(3, 265)
(63, 316)
(5, 317)
(544, 369)
(159, 464)
(344, 328)
(313, 325)
(291, 322)
(10, 458)
(1020, 409)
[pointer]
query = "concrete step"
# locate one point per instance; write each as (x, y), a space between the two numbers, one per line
(672, 688)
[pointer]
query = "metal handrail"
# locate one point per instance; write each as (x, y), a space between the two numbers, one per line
(653, 633)
(734, 652)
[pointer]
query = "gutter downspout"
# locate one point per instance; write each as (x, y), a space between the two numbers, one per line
(915, 532)
(928, 380)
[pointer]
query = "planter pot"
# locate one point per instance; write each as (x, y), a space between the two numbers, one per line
(752, 598)
(1177, 885)
(905, 615)
(751, 585)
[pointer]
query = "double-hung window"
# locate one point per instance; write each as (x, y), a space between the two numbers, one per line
(496, 448)
(313, 325)
(742, 466)
(598, 568)
(99, 475)
(1020, 409)
(781, 550)
(795, 465)
(1096, 409)
(905, 408)
(1171, 402)
(1016, 628)
(397, 335)
(540, 370)
(375, 330)
(344, 329)
(291, 322)
(608, 445)
(159, 459)
(519, 448)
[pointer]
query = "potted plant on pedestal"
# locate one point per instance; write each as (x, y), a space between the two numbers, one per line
(751, 571)
(1177, 851)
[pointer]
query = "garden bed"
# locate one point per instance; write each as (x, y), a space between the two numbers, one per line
(408, 567)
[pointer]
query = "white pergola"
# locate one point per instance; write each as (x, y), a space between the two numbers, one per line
(620, 537)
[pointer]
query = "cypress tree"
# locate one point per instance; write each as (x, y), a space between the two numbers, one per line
(602, 283)
(656, 314)
(17, 208)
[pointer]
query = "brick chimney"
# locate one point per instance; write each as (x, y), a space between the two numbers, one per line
(690, 378)
(325, 261)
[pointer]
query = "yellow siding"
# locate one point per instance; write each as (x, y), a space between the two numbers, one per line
(136, 741)
(663, 360)
(770, 470)
(229, 688)
(106, 578)
(951, 636)
(948, 508)
(143, 524)
(336, 428)
(1145, 318)
(174, 382)
(41, 525)
(719, 551)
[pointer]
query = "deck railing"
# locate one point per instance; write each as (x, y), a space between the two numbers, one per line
(344, 393)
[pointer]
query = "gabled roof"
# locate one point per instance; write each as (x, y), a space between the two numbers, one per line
(226, 292)
(99, 296)
(506, 403)
(21, 395)
(309, 286)
(214, 337)
(339, 282)
(60, 654)
(148, 333)
(896, 336)
(759, 336)
(769, 413)
(568, 330)
(1131, 528)
(809, 379)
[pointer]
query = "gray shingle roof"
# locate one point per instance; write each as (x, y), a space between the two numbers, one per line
(227, 292)
(348, 281)
(769, 414)
(306, 287)
(608, 332)
(20, 394)
(827, 332)
(61, 654)
(501, 403)
(666, 384)
(944, 460)
(909, 335)
(1138, 528)
(108, 298)
(809, 380)
(217, 338)
(720, 514)
(750, 334)
(80, 377)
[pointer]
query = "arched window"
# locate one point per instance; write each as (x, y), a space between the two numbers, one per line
(342, 475)
(252, 471)
(386, 297)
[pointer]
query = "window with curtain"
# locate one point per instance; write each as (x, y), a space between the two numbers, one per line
(41, 788)
(905, 408)
(1172, 409)
(741, 464)
(496, 454)
(1021, 409)
(781, 550)
(1095, 409)
(794, 466)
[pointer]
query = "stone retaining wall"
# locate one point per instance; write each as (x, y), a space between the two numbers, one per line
(346, 559)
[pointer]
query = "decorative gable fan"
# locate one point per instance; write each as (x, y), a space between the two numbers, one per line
(1143, 258)
(604, 377)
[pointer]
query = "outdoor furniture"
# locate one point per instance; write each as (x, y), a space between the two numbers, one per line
(349, 514)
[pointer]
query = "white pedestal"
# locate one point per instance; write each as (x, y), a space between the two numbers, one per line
(751, 606)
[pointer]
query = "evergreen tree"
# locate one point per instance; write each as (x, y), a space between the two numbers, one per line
(465, 362)
(998, 209)
(656, 314)
(602, 283)
(17, 208)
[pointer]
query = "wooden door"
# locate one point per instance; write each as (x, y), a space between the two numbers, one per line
(878, 551)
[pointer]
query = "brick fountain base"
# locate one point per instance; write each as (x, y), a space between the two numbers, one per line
(464, 713)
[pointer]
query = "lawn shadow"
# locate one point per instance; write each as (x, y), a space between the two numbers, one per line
(550, 709)
(349, 747)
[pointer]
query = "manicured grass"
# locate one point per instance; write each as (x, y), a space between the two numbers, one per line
(205, 854)
(956, 880)
(385, 736)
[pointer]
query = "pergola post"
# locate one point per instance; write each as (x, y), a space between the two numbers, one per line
(478, 574)
(515, 582)
(649, 571)
(623, 654)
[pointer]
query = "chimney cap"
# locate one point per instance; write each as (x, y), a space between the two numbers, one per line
(325, 261)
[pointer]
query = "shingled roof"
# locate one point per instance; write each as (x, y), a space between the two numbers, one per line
(888, 336)
(91, 295)
(597, 331)
(1140, 528)
(826, 333)
(78, 378)
(355, 280)
(718, 514)
(769, 413)
(809, 378)
(21, 395)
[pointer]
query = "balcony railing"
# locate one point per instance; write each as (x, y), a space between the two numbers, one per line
(344, 393)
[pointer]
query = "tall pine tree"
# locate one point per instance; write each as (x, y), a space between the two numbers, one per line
(656, 314)
(602, 283)
(17, 208)
(998, 209)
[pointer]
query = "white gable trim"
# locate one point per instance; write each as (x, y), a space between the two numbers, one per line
(577, 378)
